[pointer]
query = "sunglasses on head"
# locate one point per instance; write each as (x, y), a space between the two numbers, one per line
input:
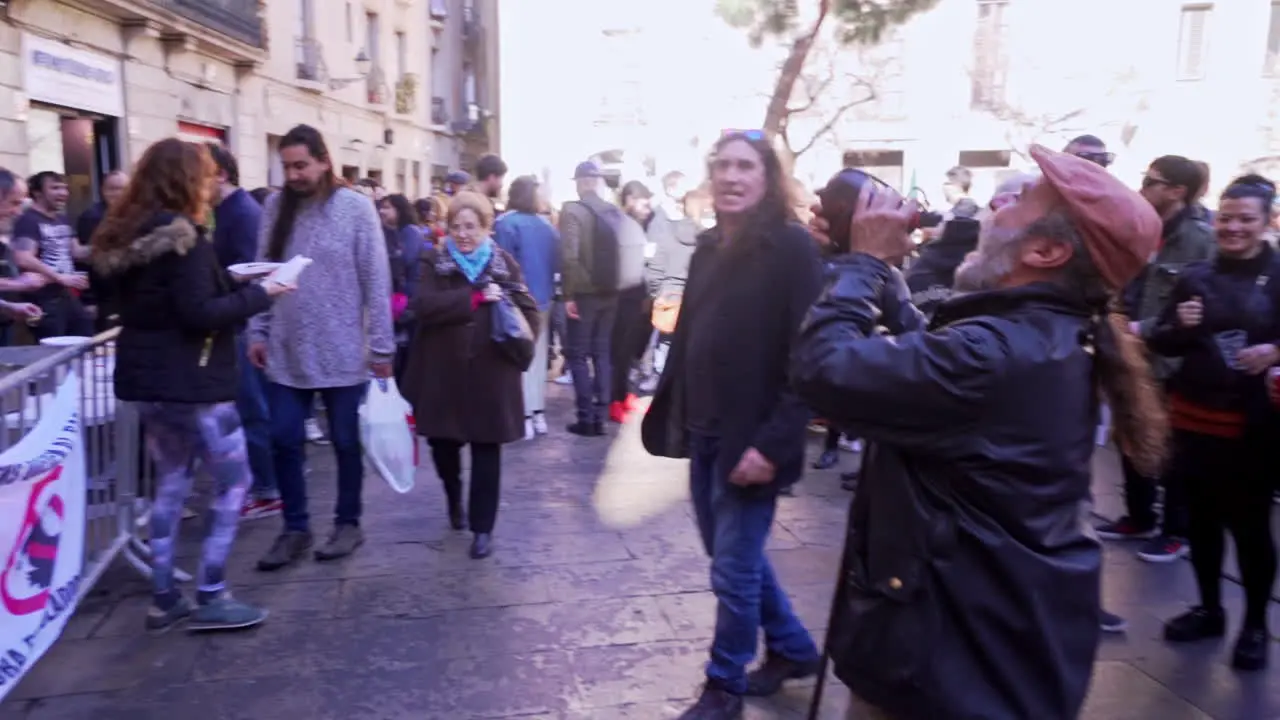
(1097, 158)
(753, 135)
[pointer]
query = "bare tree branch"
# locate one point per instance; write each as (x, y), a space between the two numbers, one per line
(834, 119)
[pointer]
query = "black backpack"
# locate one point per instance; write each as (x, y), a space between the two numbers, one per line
(617, 249)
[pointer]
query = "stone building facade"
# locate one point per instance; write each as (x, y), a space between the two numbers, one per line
(87, 85)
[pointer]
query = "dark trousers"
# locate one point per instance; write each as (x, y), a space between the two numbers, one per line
(64, 314)
(290, 407)
(251, 403)
(587, 347)
(486, 479)
(833, 439)
(1140, 499)
(1229, 483)
(631, 329)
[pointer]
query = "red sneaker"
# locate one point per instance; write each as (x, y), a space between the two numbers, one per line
(617, 412)
(630, 403)
(255, 509)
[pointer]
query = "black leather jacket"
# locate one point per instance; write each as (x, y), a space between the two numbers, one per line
(971, 578)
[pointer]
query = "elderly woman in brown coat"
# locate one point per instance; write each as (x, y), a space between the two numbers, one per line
(463, 388)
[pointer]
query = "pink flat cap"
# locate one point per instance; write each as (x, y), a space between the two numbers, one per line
(1119, 227)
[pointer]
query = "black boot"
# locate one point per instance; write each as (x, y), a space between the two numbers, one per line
(585, 428)
(849, 480)
(714, 704)
(767, 679)
(482, 546)
(1251, 650)
(1199, 623)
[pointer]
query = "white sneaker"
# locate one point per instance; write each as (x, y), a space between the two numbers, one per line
(528, 429)
(565, 379)
(540, 423)
(850, 445)
(314, 433)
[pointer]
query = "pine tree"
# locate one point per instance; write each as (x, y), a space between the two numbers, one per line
(857, 22)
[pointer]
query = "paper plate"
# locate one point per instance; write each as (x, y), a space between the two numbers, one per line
(287, 274)
(66, 341)
(253, 269)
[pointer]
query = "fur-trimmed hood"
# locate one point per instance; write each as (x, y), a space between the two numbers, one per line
(164, 234)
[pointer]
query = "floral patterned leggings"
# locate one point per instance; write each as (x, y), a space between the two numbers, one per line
(177, 434)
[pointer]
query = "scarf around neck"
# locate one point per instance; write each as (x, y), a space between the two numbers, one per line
(473, 263)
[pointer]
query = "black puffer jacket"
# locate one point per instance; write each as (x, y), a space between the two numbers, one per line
(179, 311)
(932, 276)
(1238, 295)
(971, 583)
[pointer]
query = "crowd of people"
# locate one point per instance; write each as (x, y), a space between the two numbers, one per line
(972, 360)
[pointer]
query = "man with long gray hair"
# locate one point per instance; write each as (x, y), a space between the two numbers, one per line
(970, 579)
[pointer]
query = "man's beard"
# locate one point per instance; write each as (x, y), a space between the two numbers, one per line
(988, 266)
(301, 192)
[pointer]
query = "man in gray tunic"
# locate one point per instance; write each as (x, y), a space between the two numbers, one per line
(326, 339)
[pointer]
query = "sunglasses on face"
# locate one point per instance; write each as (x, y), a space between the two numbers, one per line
(1150, 182)
(1097, 158)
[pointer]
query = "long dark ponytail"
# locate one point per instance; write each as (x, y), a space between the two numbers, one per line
(310, 138)
(1122, 374)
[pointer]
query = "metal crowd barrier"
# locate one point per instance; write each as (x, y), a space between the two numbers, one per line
(119, 477)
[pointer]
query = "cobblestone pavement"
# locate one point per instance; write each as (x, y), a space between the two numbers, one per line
(594, 607)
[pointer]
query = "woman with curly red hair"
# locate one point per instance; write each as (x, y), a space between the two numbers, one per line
(176, 359)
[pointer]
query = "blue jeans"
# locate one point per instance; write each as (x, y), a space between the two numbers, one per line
(254, 416)
(290, 407)
(734, 524)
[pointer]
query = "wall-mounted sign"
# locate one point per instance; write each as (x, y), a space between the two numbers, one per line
(59, 74)
(191, 132)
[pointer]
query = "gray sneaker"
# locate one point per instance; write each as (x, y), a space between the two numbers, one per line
(159, 621)
(288, 548)
(225, 613)
(342, 542)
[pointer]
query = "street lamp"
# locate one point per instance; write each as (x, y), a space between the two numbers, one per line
(363, 63)
(363, 66)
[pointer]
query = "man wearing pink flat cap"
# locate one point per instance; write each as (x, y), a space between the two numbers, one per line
(971, 573)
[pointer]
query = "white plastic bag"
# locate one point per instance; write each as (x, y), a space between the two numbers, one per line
(387, 433)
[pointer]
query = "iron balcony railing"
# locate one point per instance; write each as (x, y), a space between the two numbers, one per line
(310, 60)
(237, 19)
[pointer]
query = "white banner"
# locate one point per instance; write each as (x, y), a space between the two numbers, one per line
(42, 516)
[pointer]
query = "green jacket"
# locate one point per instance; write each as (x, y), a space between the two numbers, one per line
(1191, 241)
(577, 231)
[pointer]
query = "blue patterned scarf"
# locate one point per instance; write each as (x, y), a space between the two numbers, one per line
(473, 263)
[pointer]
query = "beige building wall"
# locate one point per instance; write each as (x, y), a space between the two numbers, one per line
(174, 76)
(464, 82)
(377, 124)
(129, 73)
(165, 80)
